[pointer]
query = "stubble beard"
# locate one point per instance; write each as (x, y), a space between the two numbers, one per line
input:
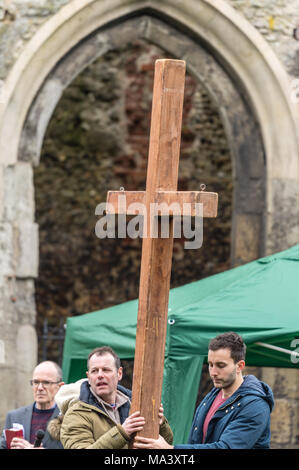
(227, 383)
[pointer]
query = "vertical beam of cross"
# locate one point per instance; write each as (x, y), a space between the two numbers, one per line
(156, 259)
(162, 174)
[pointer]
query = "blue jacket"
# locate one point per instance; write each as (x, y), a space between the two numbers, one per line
(241, 422)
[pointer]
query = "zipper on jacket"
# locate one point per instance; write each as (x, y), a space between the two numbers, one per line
(219, 409)
(228, 404)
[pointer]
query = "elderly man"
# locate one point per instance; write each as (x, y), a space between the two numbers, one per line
(46, 381)
(98, 417)
(236, 412)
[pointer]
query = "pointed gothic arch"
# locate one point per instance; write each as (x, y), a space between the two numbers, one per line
(245, 57)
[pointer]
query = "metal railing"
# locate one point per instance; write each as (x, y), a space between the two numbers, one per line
(51, 341)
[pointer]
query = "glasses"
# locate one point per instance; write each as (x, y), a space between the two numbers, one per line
(44, 383)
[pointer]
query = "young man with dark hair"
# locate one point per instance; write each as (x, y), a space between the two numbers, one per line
(235, 414)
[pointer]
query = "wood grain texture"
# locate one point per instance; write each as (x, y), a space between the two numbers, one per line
(130, 202)
(156, 258)
(162, 174)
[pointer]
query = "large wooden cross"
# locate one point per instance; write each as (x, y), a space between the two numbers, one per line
(161, 186)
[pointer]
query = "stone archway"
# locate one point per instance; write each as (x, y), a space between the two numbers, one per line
(240, 124)
(241, 51)
(240, 59)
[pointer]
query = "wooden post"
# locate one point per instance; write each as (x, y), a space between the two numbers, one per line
(161, 186)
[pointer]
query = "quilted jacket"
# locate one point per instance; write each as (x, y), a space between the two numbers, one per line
(86, 425)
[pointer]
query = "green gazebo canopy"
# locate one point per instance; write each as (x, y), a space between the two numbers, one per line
(259, 300)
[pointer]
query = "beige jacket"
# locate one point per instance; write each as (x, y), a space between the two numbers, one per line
(84, 424)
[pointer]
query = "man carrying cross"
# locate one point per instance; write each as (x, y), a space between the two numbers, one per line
(95, 412)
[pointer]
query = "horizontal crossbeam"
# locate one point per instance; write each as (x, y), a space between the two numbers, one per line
(173, 203)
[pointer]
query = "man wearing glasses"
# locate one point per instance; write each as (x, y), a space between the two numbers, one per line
(46, 381)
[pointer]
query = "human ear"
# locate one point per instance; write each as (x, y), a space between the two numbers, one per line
(241, 365)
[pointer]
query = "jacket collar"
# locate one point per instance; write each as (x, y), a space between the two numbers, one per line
(250, 386)
(87, 397)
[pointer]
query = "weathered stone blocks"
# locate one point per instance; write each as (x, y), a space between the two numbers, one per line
(27, 250)
(18, 195)
(275, 20)
(247, 243)
(1, 192)
(18, 232)
(26, 359)
(6, 250)
(283, 217)
(281, 422)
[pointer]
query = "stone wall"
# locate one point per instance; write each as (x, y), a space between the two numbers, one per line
(18, 267)
(285, 417)
(275, 20)
(19, 21)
